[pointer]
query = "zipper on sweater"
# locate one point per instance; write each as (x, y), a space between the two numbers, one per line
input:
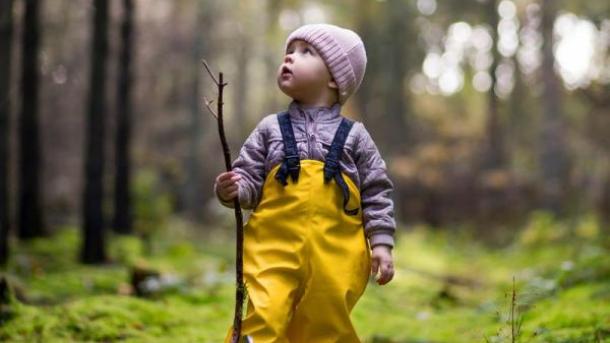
(308, 134)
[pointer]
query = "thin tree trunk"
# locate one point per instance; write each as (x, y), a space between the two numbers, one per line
(6, 39)
(604, 205)
(519, 121)
(553, 159)
(123, 216)
(93, 249)
(365, 97)
(242, 57)
(598, 122)
(495, 153)
(396, 65)
(30, 218)
(382, 98)
(193, 188)
(271, 60)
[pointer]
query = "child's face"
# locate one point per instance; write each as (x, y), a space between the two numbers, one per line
(303, 75)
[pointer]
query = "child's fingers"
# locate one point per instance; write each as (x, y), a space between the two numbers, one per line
(229, 188)
(226, 184)
(387, 273)
(227, 177)
(232, 195)
(228, 195)
(228, 180)
(232, 188)
(374, 266)
(222, 176)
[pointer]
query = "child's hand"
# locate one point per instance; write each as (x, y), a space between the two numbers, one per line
(226, 185)
(382, 263)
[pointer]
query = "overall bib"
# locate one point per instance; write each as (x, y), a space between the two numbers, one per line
(306, 258)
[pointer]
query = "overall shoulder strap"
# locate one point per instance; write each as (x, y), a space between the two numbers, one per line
(332, 168)
(291, 164)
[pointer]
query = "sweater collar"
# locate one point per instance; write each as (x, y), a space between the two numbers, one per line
(322, 113)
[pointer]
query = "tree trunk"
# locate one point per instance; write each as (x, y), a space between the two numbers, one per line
(365, 30)
(398, 32)
(242, 56)
(274, 7)
(495, 152)
(604, 205)
(554, 160)
(30, 218)
(519, 122)
(381, 99)
(193, 188)
(598, 126)
(6, 39)
(93, 249)
(123, 216)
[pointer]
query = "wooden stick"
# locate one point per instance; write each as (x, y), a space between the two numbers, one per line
(239, 227)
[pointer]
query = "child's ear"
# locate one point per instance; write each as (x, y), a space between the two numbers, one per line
(332, 84)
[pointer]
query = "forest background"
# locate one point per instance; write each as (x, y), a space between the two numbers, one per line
(493, 118)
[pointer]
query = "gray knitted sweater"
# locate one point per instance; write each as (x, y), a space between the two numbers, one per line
(314, 130)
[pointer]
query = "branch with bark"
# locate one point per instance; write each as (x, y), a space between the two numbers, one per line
(239, 227)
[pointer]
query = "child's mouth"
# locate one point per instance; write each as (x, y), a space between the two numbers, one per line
(286, 71)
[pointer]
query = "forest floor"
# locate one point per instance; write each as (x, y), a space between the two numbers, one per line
(448, 287)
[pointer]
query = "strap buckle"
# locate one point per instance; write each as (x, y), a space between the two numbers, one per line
(293, 161)
(331, 167)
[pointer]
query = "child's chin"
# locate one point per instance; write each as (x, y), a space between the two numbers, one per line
(289, 91)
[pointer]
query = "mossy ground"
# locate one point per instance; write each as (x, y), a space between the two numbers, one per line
(448, 287)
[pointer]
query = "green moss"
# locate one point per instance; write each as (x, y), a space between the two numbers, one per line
(575, 313)
(109, 318)
(447, 288)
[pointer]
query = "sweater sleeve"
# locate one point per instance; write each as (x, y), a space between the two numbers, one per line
(375, 189)
(250, 165)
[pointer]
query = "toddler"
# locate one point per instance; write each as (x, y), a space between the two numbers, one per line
(322, 216)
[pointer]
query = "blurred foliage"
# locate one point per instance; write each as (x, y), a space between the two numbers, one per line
(433, 140)
(152, 206)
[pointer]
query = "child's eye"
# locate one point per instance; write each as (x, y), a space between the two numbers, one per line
(307, 50)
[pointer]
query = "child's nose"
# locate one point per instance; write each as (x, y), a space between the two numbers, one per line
(288, 58)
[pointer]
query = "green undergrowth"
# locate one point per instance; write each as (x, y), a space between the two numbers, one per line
(448, 287)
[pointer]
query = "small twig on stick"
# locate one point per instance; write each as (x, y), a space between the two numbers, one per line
(207, 104)
(207, 67)
(239, 275)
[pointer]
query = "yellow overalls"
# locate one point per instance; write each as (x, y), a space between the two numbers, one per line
(306, 259)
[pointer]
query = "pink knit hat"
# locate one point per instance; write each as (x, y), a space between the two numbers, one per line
(341, 49)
